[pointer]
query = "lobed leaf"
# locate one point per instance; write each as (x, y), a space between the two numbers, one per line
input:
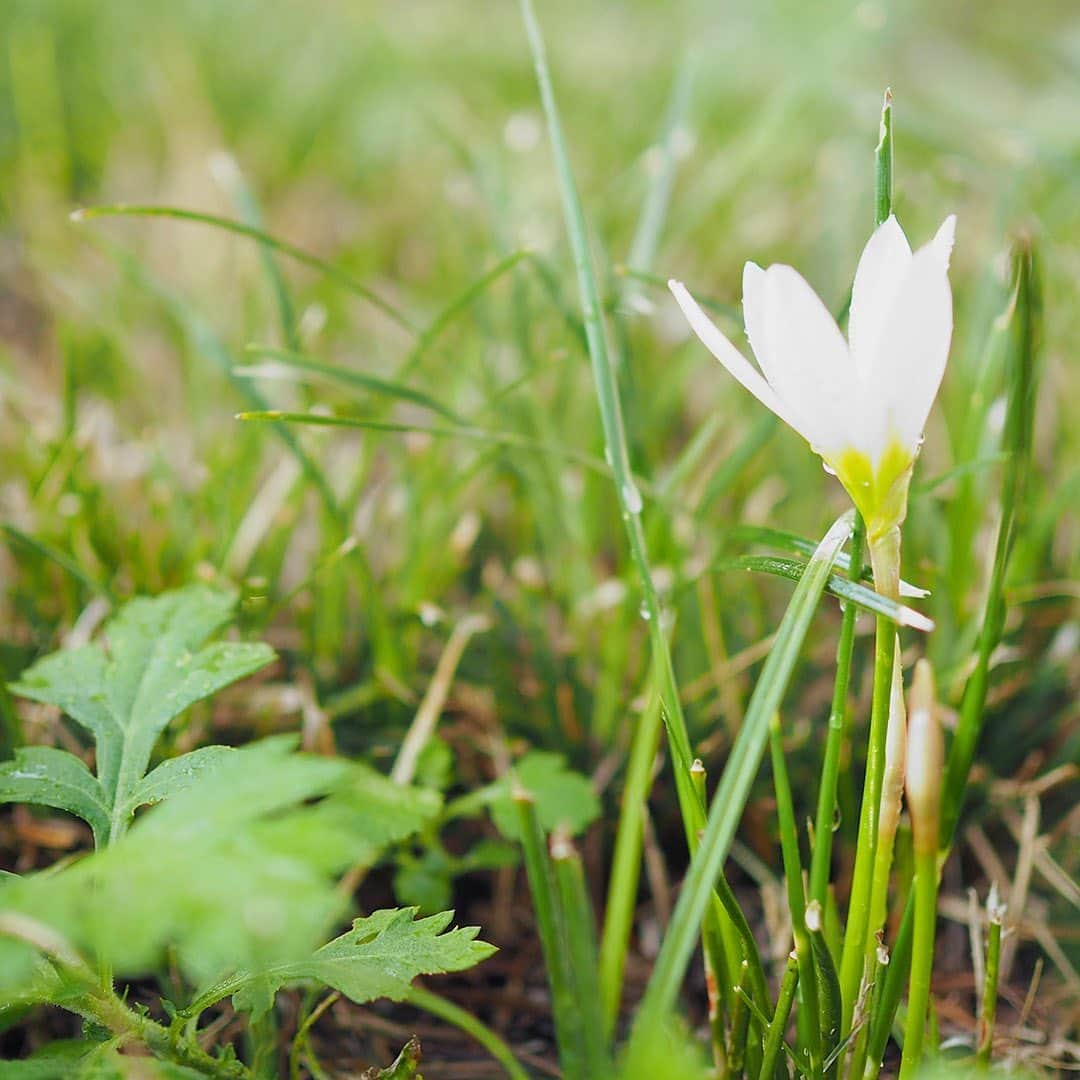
(48, 776)
(378, 957)
(236, 870)
(154, 670)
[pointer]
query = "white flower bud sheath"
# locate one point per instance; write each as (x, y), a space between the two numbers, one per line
(861, 404)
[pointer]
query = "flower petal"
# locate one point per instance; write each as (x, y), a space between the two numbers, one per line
(755, 305)
(882, 268)
(942, 244)
(807, 361)
(910, 360)
(737, 364)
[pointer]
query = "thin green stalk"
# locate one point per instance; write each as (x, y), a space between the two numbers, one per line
(626, 861)
(626, 490)
(828, 982)
(892, 792)
(922, 960)
(995, 912)
(774, 1037)
(714, 956)
(734, 788)
(885, 558)
(581, 952)
(551, 924)
(789, 844)
(883, 163)
(821, 857)
(925, 766)
(740, 1022)
(97, 1002)
(465, 1021)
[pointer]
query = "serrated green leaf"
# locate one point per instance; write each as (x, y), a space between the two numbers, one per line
(379, 957)
(154, 670)
(563, 798)
(237, 870)
(195, 874)
(48, 776)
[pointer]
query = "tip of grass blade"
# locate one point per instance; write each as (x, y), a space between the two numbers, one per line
(915, 620)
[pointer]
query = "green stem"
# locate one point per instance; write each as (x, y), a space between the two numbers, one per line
(735, 783)
(990, 983)
(740, 1022)
(774, 1037)
(892, 792)
(885, 559)
(581, 952)
(550, 922)
(922, 960)
(626, 490)
(789, 843)
(626, 862)
(821, 857)
(718, 981)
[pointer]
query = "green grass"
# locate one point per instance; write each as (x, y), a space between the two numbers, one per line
(404, 147)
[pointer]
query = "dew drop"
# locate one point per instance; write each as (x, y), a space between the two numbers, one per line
(828, 468)
(644, 612)
(631, 497)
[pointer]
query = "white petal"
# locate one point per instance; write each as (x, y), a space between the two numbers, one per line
(882, 267)
(942, 244)
(910, 361)
(737, 364)
(807, 360)
(755, 304)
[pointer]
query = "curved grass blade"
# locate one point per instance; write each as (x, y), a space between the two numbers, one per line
(65, 562)
(502, 438)
(456, 306)
(349, 376)
(305, 258)
(227, 172)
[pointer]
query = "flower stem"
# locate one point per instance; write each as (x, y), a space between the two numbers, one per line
(892, 791)
(995, 911)
(922, 960)
(774, 1037)
(810, 1015)
(838, 715)
(885, 560)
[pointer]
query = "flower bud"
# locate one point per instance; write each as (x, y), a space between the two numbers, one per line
(925, 760)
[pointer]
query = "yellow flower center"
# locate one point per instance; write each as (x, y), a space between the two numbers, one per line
(880, 494)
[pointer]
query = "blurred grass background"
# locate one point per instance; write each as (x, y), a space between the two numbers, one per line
(403, 143)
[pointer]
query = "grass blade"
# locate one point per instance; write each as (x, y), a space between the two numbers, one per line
(283, 247)
(617, 452)
(734, 789)
(350, 377)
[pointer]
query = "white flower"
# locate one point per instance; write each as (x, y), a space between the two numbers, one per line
(862, 403)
